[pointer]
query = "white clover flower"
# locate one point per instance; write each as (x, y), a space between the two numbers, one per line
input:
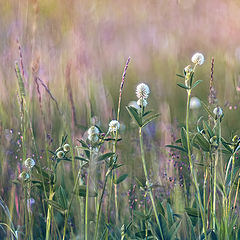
(93, 133)
(66, 148)
(195, 103)
(29, 163)
(114, 125)
(93, 130)
(144, 102)
(198, 58)
(218, 111)
(24, 176)
(142, 90)
(60, 154)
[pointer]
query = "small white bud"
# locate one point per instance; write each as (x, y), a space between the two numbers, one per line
(218, 112)
(60, 154)
(66, 148)
(144, 102)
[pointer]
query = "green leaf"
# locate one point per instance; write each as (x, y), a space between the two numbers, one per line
(62, 197)
(208, 110)
(183, 86)
(56, 206)
(82, 192)
(227, 145)
(181, 76)
(142, 234)
(208, 129)
(120, 179)
(81, 159)
(202, 142)
(192, 212)
(196, 83)
(186, 230)
(106, 156)
(184, 138)
(151, 118)
(177, 147)
(174, 230)
(84, 145)
(134, 115)
(170, 215)
(146, 113)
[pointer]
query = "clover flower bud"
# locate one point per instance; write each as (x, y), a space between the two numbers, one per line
(66, 148)
(23, 176)
(60, 154)
(218, 112)
(142, 102)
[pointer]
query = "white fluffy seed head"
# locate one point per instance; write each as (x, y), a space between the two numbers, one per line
(195, 103)
(142, 91)
(198, 58)
(218, 111)
(114, 125)
(29, 163)
(142, 102)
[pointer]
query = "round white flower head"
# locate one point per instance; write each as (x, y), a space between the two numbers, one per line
(218, 111)
(142, 90)
(93, 131)
(29, 163)
(114, 125)
(198, 58)
(195, 103)
(144, 102)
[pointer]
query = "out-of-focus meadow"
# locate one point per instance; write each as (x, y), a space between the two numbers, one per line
(78, 49)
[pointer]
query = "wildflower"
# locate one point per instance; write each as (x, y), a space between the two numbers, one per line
(24, 176)
(142, 91)
(114, 125)
(142, 102)
(60, 154)
(66, 148)
(29, 163)
(93, 133)
(195, 103)
(198, 58)
(218, 112)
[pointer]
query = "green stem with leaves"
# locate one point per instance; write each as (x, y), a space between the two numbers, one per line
(191, 163)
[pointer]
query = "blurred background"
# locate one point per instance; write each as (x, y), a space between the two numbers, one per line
(79, 49)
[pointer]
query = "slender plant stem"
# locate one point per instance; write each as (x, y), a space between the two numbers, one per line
(70, 204)
(191, 164)
(86, 206)
(49, 215)
(99, 208)
(147, 181)
(231, 182)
